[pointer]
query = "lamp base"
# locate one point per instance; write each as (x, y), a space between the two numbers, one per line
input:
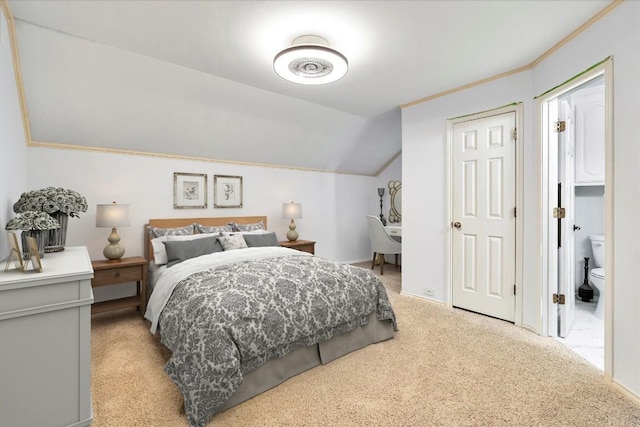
(292, 234)
(114, 250)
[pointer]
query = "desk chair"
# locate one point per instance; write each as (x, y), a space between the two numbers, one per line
(381, 242)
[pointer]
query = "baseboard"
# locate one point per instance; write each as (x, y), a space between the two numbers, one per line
(530, 328)
(422, 297)
(628, 393)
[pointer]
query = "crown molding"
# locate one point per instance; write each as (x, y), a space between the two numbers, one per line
(60, 146)
(386, 165)
(6, 11)
(549, 52)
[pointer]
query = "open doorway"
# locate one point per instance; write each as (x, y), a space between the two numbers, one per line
(575, 123)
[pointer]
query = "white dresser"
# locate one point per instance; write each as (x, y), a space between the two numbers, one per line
(45, 342)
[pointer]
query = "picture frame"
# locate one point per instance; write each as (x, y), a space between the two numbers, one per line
(189, 190)
(34, 255)
(227, 191)
(15, 255)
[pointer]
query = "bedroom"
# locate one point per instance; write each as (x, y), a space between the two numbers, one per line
(335, 204)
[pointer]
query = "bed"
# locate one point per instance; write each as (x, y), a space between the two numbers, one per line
(240, 321)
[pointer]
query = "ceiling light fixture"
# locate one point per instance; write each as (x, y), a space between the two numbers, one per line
(310, 61)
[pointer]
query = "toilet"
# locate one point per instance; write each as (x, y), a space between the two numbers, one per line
(596, 275)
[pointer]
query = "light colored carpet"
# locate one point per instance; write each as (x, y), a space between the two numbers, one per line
(443, 368)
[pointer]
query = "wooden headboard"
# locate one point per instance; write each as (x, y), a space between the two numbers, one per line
(181, 222)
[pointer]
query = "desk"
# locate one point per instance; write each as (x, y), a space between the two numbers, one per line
(395, 231)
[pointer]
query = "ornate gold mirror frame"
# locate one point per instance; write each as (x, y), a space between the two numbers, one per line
(395, 192)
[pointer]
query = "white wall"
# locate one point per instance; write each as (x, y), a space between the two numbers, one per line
(13, 172)
(424, 135)
(424, 177)
(333, 205)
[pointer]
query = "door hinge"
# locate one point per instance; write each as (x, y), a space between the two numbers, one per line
(559, 126)
(558, 213)
(558, 299)
(515, 212)
(514, 289)
(515, 134)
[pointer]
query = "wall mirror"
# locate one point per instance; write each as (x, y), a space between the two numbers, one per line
(395, 192)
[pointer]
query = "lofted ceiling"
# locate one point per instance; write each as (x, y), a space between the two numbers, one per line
(198, 75)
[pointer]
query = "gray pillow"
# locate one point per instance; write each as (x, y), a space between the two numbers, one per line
(256, 240)
(179, 231)
(205, 229)
(178, 251)
(248, 227)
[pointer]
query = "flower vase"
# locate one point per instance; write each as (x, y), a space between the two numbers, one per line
(41, 238)
(57, 237)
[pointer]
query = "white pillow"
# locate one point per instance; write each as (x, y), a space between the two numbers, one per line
(159, 250)
(159, 253)
(235, 241)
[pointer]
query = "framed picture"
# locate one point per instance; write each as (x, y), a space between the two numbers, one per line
(189, 190)
(14, 253)
(34, 255)
(227, 191)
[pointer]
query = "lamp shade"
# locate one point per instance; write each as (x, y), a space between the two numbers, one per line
(292, 210)
(112, 215)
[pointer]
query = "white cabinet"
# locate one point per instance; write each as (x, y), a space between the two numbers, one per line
(45, 338)
(589, 116)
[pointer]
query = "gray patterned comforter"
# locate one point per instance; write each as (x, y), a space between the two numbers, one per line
(231, 319)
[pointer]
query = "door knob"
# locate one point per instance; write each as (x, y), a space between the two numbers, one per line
(576, 227)
(457, 225)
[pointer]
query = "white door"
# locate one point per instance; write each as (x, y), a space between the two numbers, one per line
(552, 229)
(559, 237)
(483, 212)
(566, 200)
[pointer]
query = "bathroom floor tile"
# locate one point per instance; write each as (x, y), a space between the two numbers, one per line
(586, 336)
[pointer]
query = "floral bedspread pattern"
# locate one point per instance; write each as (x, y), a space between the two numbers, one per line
(231, 319)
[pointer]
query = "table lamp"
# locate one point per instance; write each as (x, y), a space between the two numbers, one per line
(292, 211)
(113, 215)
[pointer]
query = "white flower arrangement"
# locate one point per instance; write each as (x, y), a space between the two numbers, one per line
(51, 200)
(32, 220)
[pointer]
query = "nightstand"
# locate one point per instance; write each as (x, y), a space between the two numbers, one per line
(107, 273)
(300, 245)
